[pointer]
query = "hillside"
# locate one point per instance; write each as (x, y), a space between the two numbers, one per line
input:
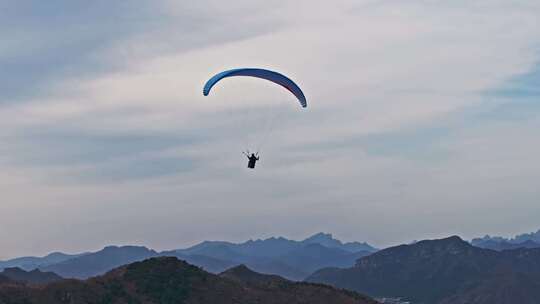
(443, 271)
(100, 262)
(33, 277)
(4, 279)
(168, 281)
(279, 286)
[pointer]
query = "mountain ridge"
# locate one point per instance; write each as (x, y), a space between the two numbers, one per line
(525, 240)
(31, 263)
(31, 277)
(276, 255)
(439, 271)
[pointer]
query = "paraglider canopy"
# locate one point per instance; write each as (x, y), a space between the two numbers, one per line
(272, 76)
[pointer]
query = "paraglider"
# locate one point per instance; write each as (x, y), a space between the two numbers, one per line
(268, 75)
(252, 159)
(272, 76)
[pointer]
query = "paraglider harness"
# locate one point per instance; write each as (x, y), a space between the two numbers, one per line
(253, 158)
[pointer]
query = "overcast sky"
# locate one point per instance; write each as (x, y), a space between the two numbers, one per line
(422, 122)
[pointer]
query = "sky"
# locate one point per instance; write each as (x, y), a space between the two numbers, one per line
(422, 121)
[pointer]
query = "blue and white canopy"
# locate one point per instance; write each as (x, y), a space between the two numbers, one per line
(272, 76)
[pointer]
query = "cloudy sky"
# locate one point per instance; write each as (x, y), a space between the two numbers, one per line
(423, 121)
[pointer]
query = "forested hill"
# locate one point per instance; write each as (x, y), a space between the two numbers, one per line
(169, 280)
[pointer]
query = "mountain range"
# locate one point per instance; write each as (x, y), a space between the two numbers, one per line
(442, 272)
(31, 263)
(168, 281)
(526, 240)
(291, 259)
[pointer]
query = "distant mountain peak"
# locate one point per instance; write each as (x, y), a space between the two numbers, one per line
(328, 240)
(452, 245)
(420, 251)
(321, 236)
(99, 262)
(114, 247)
(270, 239)
(501, 243)
(55, 254)
(448, 240)
(452, 240)
(324, 239)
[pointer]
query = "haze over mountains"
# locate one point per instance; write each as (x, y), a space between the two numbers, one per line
(291, 259)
